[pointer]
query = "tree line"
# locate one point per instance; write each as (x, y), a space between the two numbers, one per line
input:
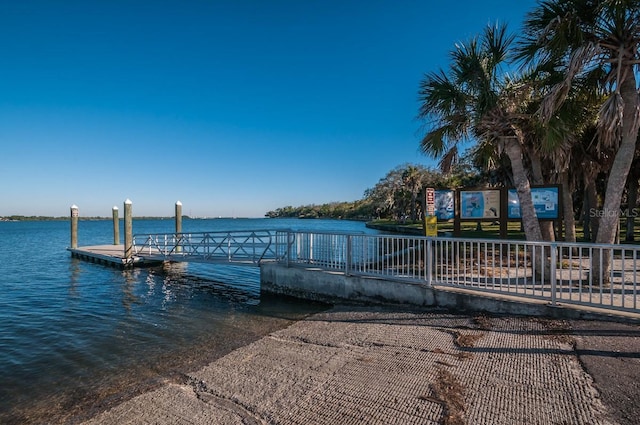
(396, 196)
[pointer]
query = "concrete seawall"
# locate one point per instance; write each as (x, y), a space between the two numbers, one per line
(330, 286)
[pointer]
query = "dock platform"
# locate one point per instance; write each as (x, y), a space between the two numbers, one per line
(111, 255)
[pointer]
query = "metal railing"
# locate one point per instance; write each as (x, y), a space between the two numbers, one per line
(241, 247)
(590, 274)
(578, 273)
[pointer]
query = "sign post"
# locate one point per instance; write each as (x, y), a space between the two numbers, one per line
(430, 220)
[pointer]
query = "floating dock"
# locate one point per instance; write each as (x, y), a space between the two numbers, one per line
(111, 255)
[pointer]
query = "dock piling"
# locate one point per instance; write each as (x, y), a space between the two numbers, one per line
(178, 217)
(116, 226)
(178, 222)
(128, 230)
(74, 226)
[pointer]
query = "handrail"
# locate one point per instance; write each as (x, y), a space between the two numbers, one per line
(601, 275)
(237, 246)
(557, 272)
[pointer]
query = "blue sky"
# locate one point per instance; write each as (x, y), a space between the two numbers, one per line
(232, 107)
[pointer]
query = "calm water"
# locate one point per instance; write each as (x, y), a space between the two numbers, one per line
(76, 337)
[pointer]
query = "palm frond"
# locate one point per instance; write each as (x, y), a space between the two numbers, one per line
(448, 160)
(435, 142)
(611, 115)
(578, 62)
(556, 141)
(497, 43)
(438, 95)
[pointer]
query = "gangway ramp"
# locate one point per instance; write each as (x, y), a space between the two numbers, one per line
(237, 247)
(241, 247)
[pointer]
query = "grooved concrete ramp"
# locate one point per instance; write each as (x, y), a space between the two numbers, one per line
(375, 366)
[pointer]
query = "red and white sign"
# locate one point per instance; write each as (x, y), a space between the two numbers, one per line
(431, 200)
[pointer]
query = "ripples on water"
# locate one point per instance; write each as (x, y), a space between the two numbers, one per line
(76, 336)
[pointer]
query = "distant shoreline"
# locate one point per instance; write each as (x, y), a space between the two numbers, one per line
(98, 218)
(184, 217)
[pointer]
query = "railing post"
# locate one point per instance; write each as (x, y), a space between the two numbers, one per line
(347, 260)
(429, 262)
(552, 272)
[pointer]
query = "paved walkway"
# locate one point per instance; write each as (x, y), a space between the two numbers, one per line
(355, 365)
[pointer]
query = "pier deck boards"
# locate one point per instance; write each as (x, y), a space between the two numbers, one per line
(112, 255)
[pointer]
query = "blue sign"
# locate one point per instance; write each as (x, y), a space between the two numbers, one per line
(444, 204)
(545, 201)
(480, 204)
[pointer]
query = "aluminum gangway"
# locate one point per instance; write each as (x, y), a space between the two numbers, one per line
(240, 247)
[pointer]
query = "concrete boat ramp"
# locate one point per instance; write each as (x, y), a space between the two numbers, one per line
(381, 365)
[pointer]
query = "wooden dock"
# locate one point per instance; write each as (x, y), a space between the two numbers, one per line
(111, 255)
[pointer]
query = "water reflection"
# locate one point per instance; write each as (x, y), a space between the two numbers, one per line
(129, 298)
(74, 277)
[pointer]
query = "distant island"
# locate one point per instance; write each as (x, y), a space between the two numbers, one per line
(31, 218)
(357, 210)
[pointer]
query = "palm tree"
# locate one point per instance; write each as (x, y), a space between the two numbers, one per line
(597, 37)
(477, 100)
(601, 35)
(632, 199)
(555, 140)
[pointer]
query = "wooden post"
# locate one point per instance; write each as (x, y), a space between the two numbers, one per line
(178, 217)
(74, 226)
(424, 211)
(128, 230)
(504, 213)
(178, 224)
(116, 226)
(456, 214)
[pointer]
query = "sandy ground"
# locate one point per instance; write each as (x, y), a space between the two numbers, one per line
(380, 365)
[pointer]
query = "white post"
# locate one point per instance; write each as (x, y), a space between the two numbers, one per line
(128, 229)
(116, 226)
(74, 226)
(178, 224)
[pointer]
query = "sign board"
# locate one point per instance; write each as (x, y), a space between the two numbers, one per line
(545, 202)
(479, 204)
(445, 201)
(430, 195)
(431, 226)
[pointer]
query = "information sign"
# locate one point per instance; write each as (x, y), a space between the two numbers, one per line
(545, 201)
(431, 201)
(431, 228)
(480, 204)
(444, 204)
